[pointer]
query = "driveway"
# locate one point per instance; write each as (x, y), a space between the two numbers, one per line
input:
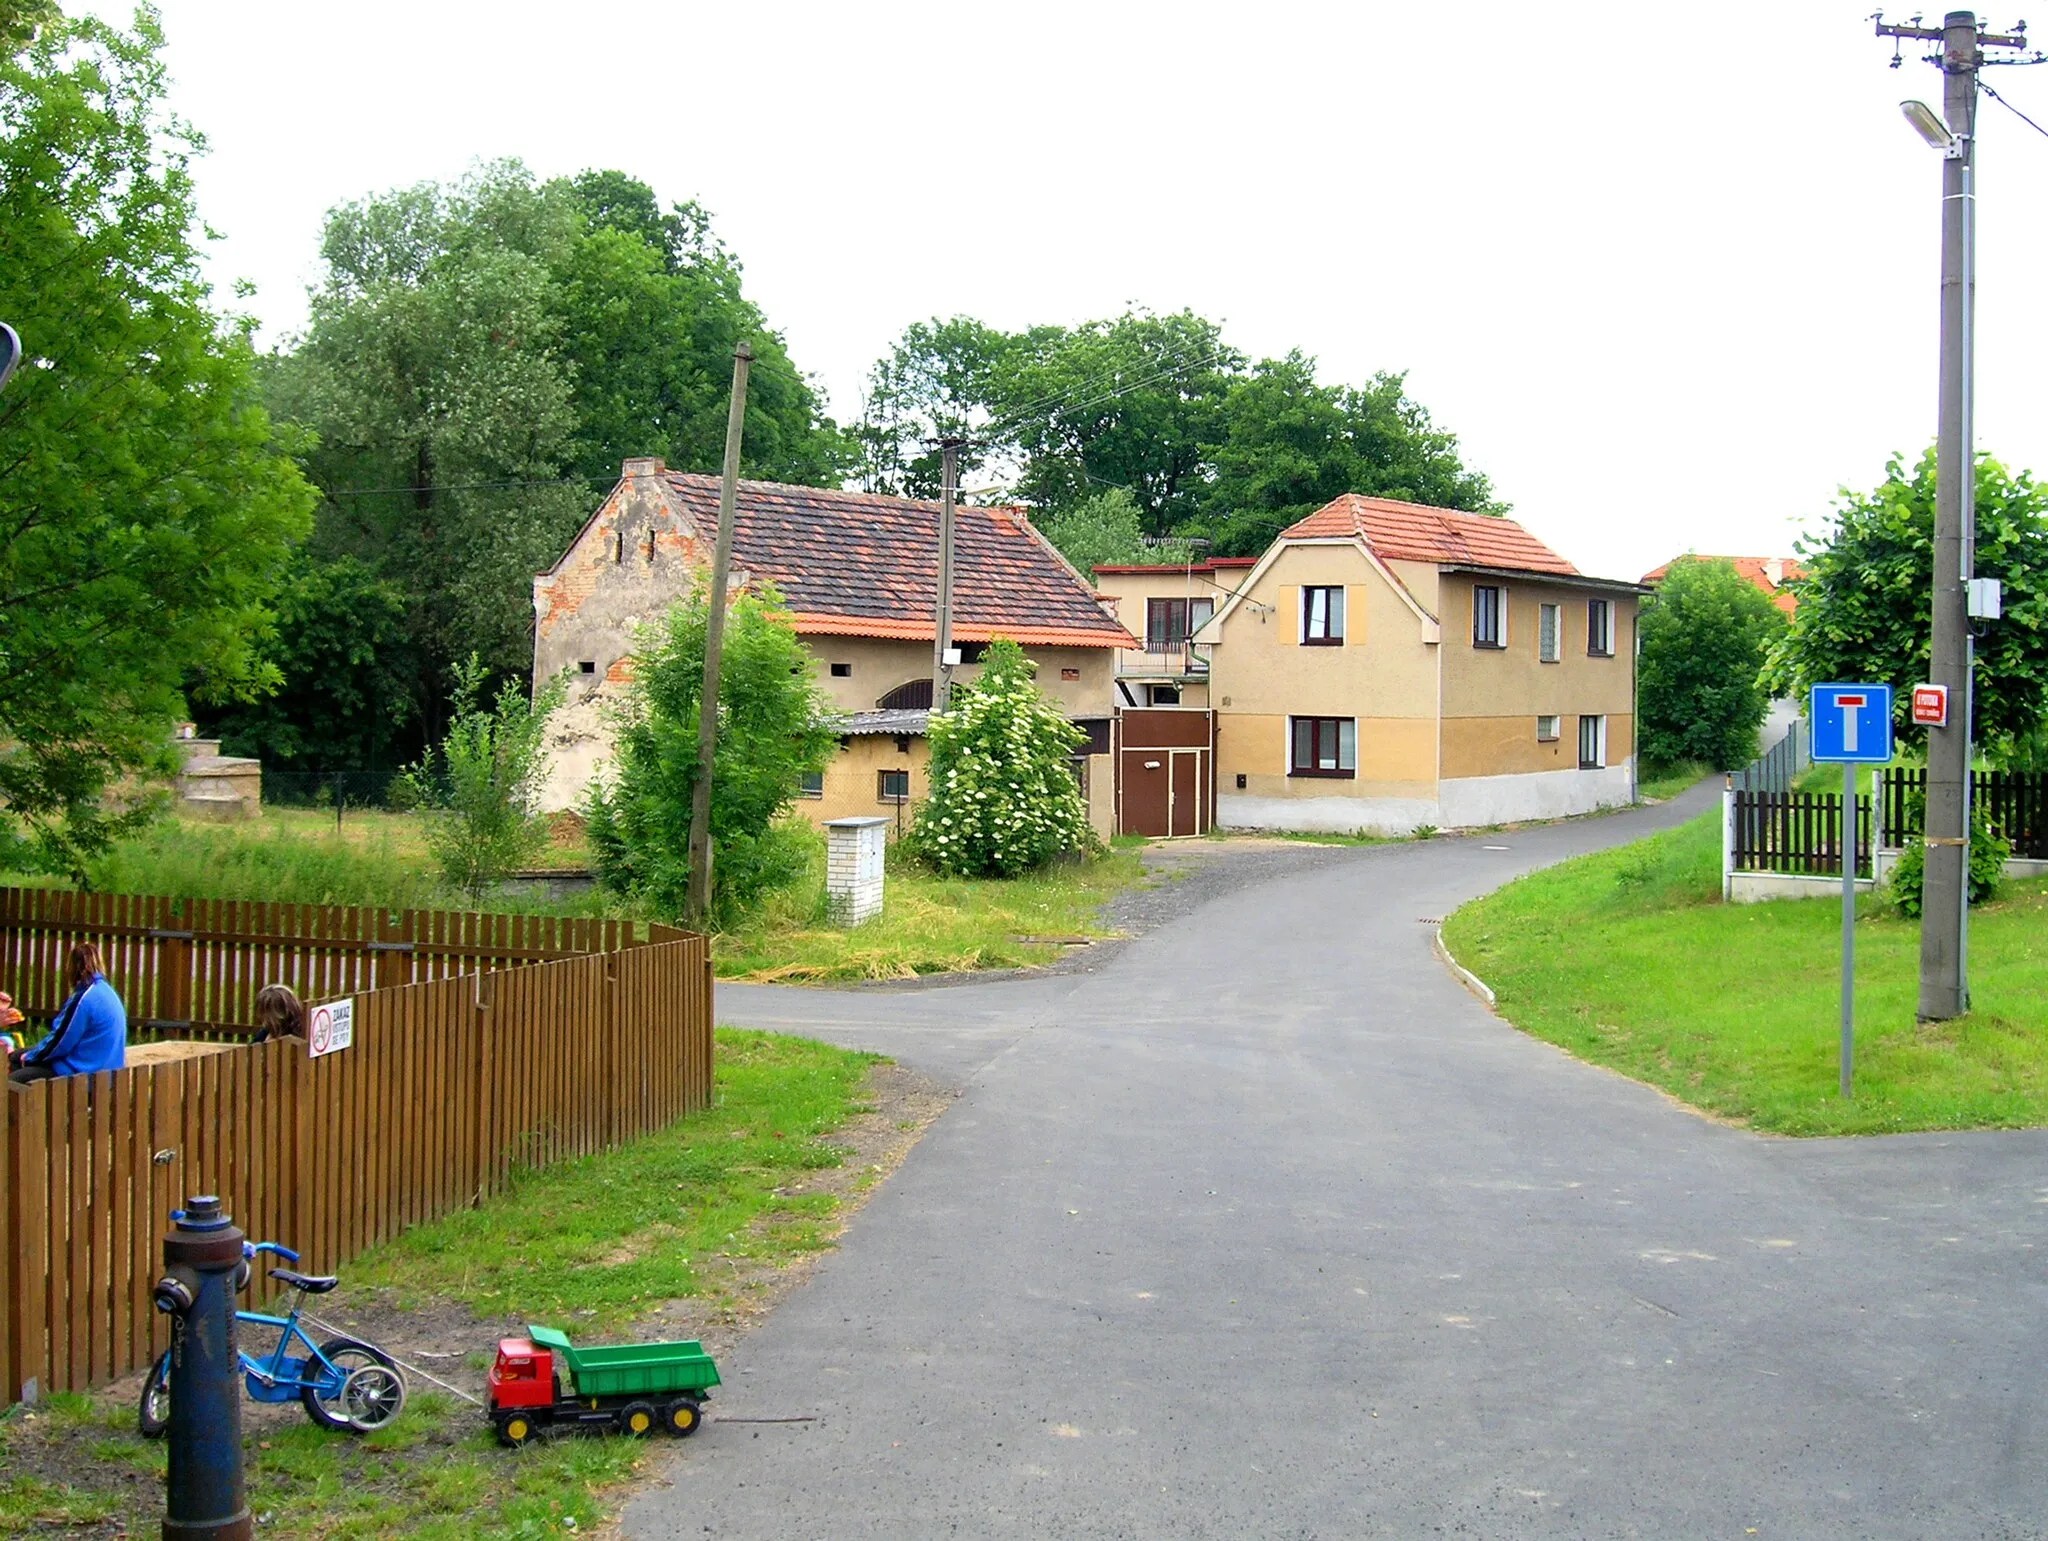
(1266, 1227)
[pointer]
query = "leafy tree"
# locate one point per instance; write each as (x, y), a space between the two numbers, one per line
(483, 783)
(1004, 799)
(1289, 445)
(1865, 608)
(145, 510)
(771, 733)
(1705, 635)
(340, 648)
(939, 379)
(1105, 531)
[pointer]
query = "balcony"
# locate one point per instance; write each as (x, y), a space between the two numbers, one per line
(1162, 659)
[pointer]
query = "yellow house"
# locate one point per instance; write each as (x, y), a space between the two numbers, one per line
(1386, 666)
(859, 573)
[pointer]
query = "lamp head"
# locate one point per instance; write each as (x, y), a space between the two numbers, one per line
(1927, 125)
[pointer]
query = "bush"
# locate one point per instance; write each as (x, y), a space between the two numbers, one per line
(1988, 851)
(1004, 799)
(772, 731)
(1705, 635)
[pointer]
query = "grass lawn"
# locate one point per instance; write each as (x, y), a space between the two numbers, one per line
(587, 1244)
(1661, 782)
(1627, 958)
(928, 925)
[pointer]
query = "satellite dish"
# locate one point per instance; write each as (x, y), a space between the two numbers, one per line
(10, 352)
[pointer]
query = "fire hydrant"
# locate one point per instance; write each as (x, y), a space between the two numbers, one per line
(202, 1270)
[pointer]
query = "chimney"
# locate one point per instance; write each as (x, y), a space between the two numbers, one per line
(634, 470)
(1774, 569)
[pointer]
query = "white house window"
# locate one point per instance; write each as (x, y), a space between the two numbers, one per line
(1548, 625)
(892, 786)
(1489, 615)
(1323, 746)
(1592, 743)
(1322, 615)
(1600, 628)
(1546, 729)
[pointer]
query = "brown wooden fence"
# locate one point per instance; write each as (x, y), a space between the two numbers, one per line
(451, 1081)
(1796, 832)
(2016, 803)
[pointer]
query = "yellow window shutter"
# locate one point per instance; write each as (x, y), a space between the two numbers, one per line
(1287, 622)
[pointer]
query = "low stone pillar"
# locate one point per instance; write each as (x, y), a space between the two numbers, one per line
(853, 868)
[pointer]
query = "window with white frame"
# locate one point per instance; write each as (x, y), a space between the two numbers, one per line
(1592, 743)
(1322, 746)
(1549, 626)
(1322, 615)
(812, 784)
(1600, 628)
(1546, 729)
(1489, 615)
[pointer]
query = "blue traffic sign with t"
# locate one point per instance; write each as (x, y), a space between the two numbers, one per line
(1852, 724)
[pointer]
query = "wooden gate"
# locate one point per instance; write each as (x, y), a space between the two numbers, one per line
(1165, 770)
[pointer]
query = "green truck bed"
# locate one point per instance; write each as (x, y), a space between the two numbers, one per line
(631, 1369)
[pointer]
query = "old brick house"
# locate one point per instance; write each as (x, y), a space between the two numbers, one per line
(858, 573)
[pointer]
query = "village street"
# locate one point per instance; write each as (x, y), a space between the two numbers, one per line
(1267, 1227)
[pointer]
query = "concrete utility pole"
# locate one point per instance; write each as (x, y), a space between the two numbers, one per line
(1944, 986)
(699, 898)
(942, 632)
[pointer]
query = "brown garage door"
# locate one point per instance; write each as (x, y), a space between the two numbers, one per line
(1165, 771)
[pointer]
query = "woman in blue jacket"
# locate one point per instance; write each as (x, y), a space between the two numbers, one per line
(90, 1032)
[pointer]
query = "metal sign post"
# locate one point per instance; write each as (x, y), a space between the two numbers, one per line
(1852, 726)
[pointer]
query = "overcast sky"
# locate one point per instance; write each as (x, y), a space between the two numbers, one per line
(1669, 273)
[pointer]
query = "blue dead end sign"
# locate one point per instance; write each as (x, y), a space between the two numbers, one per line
(1852, 724)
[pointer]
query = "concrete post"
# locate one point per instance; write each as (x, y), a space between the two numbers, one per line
(1727, 838)
(854, 849)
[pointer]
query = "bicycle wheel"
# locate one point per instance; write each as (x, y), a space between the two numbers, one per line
(153, 1413)
(345, 1354)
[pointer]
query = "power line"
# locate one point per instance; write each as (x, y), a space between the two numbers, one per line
(1985, 87)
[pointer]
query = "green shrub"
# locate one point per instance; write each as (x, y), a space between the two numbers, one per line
(1988, 852)
(1004, 799)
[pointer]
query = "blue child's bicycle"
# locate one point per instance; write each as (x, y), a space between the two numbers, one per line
(343, 1383)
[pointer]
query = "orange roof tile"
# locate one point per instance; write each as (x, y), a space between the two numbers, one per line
(1757, 569)
(1414, 532)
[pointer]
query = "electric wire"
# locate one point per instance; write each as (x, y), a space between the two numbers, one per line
(1986, 88)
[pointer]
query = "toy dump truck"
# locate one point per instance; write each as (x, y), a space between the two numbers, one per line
(633, 1388)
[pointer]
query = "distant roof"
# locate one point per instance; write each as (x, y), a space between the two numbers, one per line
(1414, 532)
(1768, 573)
(1211, 564)
(898, 720)
(860, 564)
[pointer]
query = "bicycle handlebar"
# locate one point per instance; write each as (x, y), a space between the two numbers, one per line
(251, 1248)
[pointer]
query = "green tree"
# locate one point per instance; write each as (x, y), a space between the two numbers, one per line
(772, 732)
(1705, 635)
(1865, 608)
(146, 511)
(482, 784)
(1290, 444)
(1107, 530)
(939, 380)
(1004, 798)
(340, 649)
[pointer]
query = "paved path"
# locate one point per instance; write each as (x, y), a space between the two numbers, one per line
(1268, 1228)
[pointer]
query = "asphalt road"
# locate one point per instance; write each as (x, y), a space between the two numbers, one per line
(1266, 1227)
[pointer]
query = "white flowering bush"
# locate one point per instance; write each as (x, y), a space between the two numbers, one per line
(1004, 799)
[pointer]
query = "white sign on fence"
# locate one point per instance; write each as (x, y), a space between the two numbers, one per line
(333, 1027)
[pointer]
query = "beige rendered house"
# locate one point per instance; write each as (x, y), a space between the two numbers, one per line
(859, 574)
(1386, 666)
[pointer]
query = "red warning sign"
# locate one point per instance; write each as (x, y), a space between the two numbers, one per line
(1930, 705)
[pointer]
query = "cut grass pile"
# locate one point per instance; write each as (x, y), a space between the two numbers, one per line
(1627, 958)
(928, 925)
(588, 1244)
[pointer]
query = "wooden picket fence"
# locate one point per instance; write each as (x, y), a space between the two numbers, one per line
(2016, 803)
(1796, 832)
(490, 1050)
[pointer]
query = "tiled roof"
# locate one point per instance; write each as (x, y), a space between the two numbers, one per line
(1768, 573)
(1412, 532)
(855, 563)
(1206, 565)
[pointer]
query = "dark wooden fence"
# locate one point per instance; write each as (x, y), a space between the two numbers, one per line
(1797, 832)
(2015, 801)
(483, 1047)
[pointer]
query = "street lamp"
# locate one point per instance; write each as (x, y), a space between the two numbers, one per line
(1930, 127)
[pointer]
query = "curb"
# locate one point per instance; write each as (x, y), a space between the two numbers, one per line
(1466, 977)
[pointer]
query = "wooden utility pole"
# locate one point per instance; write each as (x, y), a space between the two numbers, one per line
(699, 900)
(942, 631)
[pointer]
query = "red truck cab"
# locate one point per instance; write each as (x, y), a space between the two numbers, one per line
(522, 1376)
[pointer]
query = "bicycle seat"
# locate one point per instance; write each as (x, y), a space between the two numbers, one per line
(311, 1283)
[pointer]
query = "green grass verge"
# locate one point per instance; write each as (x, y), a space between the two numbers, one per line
(928, 925)
(1628, 959)
(588, 1244)
(1659, 782)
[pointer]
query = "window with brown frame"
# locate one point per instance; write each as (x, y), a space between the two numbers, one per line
(1170, 622)
(812, 785)
(1322, 615)
(892, 786)
(1489, 615)
(1599, 628)
(1322, 746)
(1592, 743)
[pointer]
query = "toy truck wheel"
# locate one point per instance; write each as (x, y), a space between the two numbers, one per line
(515, 1429)
(682, 1417)
(638, 1419)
